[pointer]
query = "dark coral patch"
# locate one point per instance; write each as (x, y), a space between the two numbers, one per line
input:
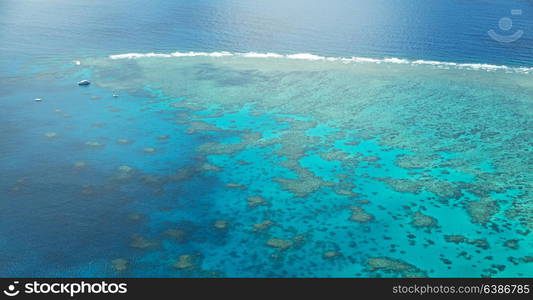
(395, 266)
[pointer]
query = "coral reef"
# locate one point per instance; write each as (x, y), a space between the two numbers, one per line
(120, 264)
(482, 211)
(395, 266)
(210, 168)
(149, 150)
(416, 161)
(263, 225)
(185, 262)
(439, 152)
(459, 239)
(282, 244)
(236, 186)
(403, 185)
(331, 254)
(141, 242)
(359, 215)
(200, 126)
(94, 144)
(221, 224)
(512, 244)
(124, 173)
(124, 141)
(254, 201)
(51, 135)
(420, 220)
(80, 165)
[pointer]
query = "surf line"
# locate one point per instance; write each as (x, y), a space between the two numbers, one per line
(314, 57)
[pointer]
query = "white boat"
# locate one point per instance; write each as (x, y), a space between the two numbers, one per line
(84, 82)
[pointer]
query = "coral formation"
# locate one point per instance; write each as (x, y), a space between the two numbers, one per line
(256, 201)
(282, 244)
(185, 262)
(263, 225)
(124, 141)
(331, 254)
(94, 144)
(359, 215)
(395, 266)
(416, 161)
(141, 242)
(51, 135)
(481, 211)
(459, 239)
(120, 264)
(149, 150)
(221, 224)
(420, 220)
(80, 164)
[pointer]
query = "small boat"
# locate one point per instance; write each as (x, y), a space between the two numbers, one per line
(38, 99)
(84, 82)
(115, 95)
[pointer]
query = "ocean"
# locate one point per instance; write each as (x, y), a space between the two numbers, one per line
(266, 139)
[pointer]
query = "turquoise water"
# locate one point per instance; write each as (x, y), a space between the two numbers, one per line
(248, 164)
(270, 167)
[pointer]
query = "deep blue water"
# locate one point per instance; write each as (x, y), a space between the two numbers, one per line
(362, 168)
(452, 30)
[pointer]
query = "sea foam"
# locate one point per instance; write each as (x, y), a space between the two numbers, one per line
(314, 57)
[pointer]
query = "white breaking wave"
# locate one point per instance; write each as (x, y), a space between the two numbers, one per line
(313, 57)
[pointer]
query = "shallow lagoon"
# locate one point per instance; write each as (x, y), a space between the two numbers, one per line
(219, 165)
